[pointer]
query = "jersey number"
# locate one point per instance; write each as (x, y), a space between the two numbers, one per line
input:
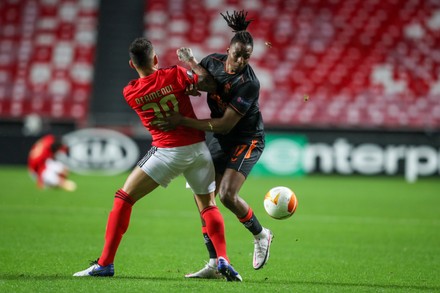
(164, 106)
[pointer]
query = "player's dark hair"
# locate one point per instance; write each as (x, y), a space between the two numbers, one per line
(140, 52)
(237, 21)
(57, 145)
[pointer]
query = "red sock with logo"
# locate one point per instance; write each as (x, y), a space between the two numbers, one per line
(251, 222)
(117, 225)
(215, 228)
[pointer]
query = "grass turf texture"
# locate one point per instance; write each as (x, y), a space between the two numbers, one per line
(349, 234)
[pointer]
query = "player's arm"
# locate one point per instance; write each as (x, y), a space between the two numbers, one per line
(221, 125)
(206, 81)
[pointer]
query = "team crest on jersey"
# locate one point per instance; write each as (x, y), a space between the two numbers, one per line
(190, 74)
(242, 101)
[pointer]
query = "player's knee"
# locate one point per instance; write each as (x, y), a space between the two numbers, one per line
(228, 197)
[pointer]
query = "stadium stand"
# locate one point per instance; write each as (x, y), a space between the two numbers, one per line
(364, 63)
(47, 52)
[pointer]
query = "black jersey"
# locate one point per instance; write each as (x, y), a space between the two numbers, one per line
(239, 91)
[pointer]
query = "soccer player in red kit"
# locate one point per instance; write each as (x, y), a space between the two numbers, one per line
(180, 151)
(44, 166)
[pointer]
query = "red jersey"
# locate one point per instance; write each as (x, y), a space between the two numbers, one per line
(160, 92)
(39, 153)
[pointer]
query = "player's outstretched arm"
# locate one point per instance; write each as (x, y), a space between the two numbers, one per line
(206, 81)
(218, 125)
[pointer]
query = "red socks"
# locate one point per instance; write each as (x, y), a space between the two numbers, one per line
(248, 216)
(215, 227)
(117, 225)
(119, 220)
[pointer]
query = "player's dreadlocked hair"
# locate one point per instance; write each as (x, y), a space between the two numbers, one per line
(237, 21)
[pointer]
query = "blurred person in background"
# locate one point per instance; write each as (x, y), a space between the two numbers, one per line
(44, 166)
(238, 129)
(180, 151)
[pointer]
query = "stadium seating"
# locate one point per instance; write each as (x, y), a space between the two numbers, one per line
(363, 63)
(46, 57)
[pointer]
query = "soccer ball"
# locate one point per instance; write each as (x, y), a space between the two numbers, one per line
(280, 202)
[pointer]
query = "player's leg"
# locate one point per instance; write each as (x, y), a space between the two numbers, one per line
(218, 157)
(139, 183)
(62, 172)
(54, 175)
(135, 187)
(201, 178)
(242, 158)
(216, 232)
(230, 186)
(209, 271)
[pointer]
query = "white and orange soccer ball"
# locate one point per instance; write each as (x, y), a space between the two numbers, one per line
(280, 202)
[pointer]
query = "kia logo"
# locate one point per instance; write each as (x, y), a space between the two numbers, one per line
(99, 151)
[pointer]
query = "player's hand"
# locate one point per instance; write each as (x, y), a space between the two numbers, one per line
(184, 54)
(192, 90)
(170, 122)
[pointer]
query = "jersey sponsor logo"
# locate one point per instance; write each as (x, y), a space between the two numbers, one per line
(99, 151)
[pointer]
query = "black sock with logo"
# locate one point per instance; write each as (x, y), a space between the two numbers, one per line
(209, 246)
(251, 222)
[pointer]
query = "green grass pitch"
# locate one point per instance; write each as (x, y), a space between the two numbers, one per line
(349, 234)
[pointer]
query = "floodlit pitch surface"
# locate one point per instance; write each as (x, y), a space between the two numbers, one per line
(349, 234)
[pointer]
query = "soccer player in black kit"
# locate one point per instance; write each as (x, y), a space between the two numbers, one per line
(237, 125)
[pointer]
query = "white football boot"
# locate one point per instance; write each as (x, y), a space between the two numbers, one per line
(95, 270)
(262, 248)
(209, 271)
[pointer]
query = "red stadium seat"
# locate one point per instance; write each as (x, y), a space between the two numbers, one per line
(46, 58)
(364, 63)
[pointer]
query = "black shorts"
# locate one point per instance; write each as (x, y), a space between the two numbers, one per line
(240, 156)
